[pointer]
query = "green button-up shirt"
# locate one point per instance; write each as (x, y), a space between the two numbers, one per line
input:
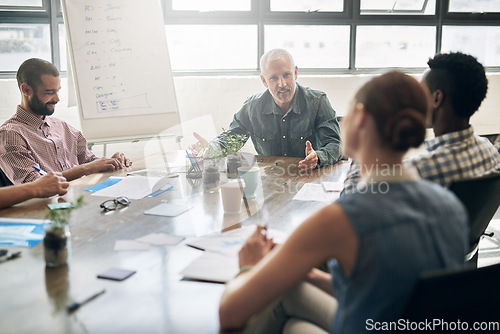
(310, 117)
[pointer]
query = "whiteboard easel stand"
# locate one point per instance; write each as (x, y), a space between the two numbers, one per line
(106, 141)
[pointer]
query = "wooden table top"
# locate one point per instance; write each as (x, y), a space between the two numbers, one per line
(156, 299)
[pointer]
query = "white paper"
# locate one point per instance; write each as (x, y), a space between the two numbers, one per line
(133, 187)
(160, 239)
(333, 186)
(132, 245)
(315, 192)
(231, 241)
(167, 209)
(213, 266)
(152, 173)
(219, 262)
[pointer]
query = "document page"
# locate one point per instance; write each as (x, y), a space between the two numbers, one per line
(315, 192)
(133, 187)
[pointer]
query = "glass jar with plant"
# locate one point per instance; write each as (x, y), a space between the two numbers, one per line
(231, 144)
(57, 239)
(211, 161)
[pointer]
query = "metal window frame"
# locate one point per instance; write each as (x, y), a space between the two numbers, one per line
(261, 15)
(50, 13)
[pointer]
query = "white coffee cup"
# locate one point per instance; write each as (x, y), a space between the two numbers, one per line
(251, 177)
(232, 192)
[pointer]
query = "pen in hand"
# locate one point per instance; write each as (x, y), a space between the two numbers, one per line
(76, 306)
(41, 171)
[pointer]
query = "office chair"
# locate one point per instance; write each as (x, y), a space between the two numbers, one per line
(4, 180)
(481, 198)
(466, 294)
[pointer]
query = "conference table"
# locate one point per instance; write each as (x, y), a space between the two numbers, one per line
(156, 299)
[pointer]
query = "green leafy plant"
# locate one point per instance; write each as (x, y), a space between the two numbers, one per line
(60, 217)
(231, 143)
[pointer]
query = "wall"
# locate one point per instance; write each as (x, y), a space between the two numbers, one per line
(207, 104)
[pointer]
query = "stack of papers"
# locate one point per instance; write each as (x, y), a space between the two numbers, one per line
(21, 232)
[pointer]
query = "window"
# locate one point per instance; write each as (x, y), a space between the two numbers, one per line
(394, 46)
(222, 47)
(19, 42)
(474, 6)
(211, 5)
(312, 46)
(29, 3)
(324, 36)
(63, 51)
(307, 6)
(398, 7)
(482, 42)
(27, 31)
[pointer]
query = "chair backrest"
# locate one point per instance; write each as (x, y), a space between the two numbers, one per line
(465, 294)
(4, 180)
(481, 198)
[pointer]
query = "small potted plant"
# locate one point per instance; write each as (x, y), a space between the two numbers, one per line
(230, 146)
(57, 239)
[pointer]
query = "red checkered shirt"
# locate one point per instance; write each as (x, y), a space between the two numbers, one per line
(51, 144)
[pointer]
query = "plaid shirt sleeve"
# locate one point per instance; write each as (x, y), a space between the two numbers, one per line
(352, 179)
(84, 155)
(457, 156)
(16, 158)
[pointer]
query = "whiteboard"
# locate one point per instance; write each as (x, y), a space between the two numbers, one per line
(121, 67)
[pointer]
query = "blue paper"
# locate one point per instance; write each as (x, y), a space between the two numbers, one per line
(21, 232)
(160, 191)
(104, 184)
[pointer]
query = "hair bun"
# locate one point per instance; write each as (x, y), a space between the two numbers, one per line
(405, 129)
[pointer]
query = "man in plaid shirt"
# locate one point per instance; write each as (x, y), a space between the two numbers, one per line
(33, 138)
(457, 84)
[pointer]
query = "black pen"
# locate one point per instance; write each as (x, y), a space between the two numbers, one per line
(275, 164)
(11, 257)
(76, 306)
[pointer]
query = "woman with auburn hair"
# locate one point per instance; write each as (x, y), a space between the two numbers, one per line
(377, 240)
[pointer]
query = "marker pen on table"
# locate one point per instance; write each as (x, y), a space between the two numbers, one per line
(41, 171)
(275, 164)
(73, 307)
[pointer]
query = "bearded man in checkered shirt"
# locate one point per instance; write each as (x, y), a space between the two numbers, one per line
(32, 137)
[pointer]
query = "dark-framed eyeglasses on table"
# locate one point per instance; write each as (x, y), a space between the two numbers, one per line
(116, 203)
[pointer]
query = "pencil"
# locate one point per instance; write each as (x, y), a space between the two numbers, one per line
(194, 163)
